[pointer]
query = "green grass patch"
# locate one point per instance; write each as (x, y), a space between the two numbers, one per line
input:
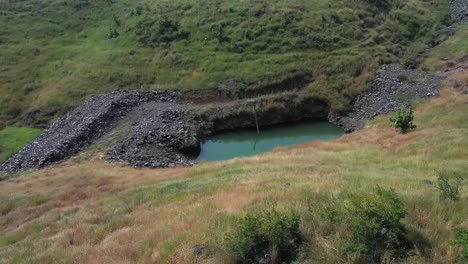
(12, 139)
(13, 238)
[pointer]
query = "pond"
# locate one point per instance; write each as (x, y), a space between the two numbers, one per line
(243, 143)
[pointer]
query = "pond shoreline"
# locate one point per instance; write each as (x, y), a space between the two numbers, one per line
(163, 128)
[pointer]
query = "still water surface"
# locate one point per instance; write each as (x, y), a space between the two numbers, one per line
(247, 143)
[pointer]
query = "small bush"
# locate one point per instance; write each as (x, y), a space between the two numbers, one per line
(269, 237)
(461, 240)
(403, 120)
(375, 222)
(449, 186)
(372, 224)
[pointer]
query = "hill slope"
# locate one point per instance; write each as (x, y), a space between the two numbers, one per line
(95, 212)
(55, 53)
(89, 211)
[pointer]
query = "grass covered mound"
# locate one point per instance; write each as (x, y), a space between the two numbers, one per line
(55, 53)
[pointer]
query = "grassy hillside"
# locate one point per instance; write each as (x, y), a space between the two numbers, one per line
(55, 53)
(89, 211)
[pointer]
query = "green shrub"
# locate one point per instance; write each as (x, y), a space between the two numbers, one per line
(403, 120)
(268, 237)
(375, 222)
(461, 239)
(372, 224)
(449, 186)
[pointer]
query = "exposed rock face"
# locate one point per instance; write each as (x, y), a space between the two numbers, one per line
(392, 89)
(459, 10)
(81, 126)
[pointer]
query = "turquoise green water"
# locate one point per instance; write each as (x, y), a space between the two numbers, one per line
(247, 143)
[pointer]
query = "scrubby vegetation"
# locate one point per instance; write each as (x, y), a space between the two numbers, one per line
(80, 48)
(461, 240)
(373, 221)
(403, 120)
(267, 237)
(450, 185)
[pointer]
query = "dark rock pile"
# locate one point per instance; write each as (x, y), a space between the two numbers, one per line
(459, 10)
(81, 126)
(161, 135)
(392, 89)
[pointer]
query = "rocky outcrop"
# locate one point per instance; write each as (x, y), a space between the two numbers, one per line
(393, 88)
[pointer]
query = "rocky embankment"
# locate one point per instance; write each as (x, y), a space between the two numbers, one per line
(393, 88)
(96, 116)
(162, 134)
